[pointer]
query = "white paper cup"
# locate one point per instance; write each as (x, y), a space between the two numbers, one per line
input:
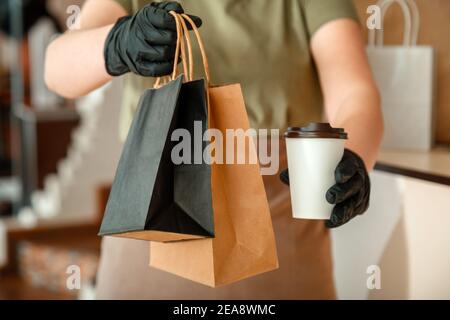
(313, 154)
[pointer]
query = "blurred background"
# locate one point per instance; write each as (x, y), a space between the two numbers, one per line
(58, 159)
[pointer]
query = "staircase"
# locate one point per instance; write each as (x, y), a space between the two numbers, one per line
(60, 229)
(91, 159)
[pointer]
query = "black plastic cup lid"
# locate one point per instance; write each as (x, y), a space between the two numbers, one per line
(316, 130)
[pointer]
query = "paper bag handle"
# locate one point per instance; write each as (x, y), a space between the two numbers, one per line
(183, 38)
(414, 15)
(187, 37)
(201, 46)
(411, 25)
(179, 50)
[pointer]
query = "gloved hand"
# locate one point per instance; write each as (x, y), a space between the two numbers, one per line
(144, 43)
(351, 192)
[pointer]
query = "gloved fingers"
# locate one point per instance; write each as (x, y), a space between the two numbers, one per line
(362, 205)
(155, 17)
(284, 177)
(168, 6)
(154, 69)
(342, 213)
(160, 37)
(175, 6)
(343, 191)
(345, 170)
(197, 21)
(157, 54)
(162, 19)
(364, 198)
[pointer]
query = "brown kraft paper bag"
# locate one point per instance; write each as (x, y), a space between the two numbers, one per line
(244, 243)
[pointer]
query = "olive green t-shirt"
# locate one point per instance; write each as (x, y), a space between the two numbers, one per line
(264, 46)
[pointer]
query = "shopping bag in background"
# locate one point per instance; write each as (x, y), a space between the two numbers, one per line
(244, 243)
(405, 76)
(142, 203)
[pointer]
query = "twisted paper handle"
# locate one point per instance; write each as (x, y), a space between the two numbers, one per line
(183, 41)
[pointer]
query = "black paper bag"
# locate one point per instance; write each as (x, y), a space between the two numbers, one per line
(152, 198)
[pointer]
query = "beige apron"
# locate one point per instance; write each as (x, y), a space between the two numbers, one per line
(304, 255)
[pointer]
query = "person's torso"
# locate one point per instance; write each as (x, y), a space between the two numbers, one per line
(261, 44)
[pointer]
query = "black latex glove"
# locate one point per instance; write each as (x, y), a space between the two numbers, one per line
(351, 192)
(144, 43)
